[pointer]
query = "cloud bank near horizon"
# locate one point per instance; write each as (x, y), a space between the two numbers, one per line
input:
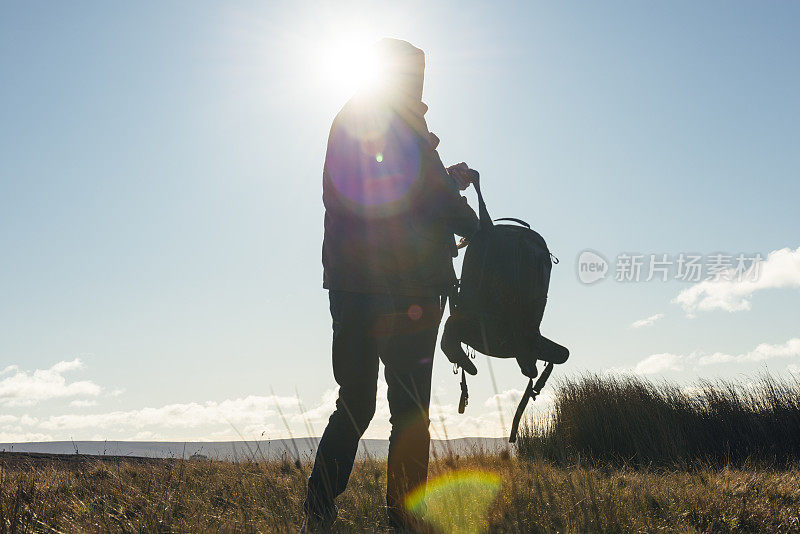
(249, 417)
(84, 417)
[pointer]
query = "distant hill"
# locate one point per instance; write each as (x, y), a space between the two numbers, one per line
(298, 448)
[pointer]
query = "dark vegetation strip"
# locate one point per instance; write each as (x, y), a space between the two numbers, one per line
(635, 422)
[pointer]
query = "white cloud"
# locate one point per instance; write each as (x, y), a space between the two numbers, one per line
(254, 417)
(242, 412)
(325, 406)
(761, 353)
(145, 435)
(647, 322)
(714, 358)
(507, 398)
(22, 437)
(658, 363)
(81, 403)
(23, 388)
(653, 364)
(507, 401)
(780, 269)
(12, 429)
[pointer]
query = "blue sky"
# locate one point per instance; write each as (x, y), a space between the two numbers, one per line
(161, 214)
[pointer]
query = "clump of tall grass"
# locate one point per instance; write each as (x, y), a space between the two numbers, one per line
(634, 421)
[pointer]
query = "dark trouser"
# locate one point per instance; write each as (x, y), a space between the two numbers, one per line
(401, 331)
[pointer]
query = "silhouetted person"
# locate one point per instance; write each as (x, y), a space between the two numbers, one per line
(391, 209)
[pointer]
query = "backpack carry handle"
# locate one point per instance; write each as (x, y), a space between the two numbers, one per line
(514, 219)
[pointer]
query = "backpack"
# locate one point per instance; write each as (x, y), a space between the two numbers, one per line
(497, 306)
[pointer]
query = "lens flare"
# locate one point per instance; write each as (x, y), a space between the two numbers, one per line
(373, 161)
(415, 312)
(457, 501)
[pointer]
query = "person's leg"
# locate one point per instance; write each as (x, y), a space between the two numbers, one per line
(407, 352)
(355, 368)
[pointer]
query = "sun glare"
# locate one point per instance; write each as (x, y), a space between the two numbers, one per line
(349, 65)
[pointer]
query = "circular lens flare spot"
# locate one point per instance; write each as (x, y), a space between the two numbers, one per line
(374, 163)
(456, 501)
(415, 312)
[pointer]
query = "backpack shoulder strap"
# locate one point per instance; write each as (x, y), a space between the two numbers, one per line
(531, 392)
(483, 213)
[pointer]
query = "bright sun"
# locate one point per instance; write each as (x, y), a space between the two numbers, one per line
(349, 65)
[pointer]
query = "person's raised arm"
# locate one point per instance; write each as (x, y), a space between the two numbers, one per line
(452, 207)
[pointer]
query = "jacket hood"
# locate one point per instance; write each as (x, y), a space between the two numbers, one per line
(402, 69)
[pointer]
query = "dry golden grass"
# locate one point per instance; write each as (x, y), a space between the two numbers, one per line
(587, 466)
(534, 496)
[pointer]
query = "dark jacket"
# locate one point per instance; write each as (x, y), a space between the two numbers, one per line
(391, 209)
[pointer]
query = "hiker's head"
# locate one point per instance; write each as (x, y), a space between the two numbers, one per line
(374, 158)
(402, 68)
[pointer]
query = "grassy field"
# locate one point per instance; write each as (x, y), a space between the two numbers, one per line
(532, 496)
(617, 455)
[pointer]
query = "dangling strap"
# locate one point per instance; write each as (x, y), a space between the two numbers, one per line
(531, 392)
(464, 400)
